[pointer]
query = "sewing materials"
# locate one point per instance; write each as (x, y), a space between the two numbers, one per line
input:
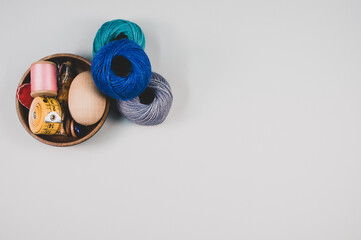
(86, 103)
(45, 116)
(66, 76)
(23, 95)
(152, 106)
(73, 129)
(79, 64)
(43, 78)
(121, 69)
(111, 30)
(76, 129)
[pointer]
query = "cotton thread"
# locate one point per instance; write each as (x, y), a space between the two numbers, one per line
(112, 29)
(43, 78)
(144, 112)
(120, 87)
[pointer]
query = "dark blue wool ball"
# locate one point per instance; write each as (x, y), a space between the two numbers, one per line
(121, 69)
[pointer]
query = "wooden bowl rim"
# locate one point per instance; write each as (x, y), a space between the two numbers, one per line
(76, 141)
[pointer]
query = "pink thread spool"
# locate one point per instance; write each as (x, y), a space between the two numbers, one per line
(43, 79)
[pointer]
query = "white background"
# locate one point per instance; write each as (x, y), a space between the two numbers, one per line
(262, 141)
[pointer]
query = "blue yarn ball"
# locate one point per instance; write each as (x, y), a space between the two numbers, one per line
(123, 88)
(152, 106)
(110, 30)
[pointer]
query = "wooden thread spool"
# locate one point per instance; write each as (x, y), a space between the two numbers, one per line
(43, 78)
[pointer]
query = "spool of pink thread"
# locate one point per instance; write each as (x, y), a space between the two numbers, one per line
(43, 79)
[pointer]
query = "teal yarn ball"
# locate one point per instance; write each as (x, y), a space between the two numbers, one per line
(109, 31)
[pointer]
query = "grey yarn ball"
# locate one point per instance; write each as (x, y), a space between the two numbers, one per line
(152, 106)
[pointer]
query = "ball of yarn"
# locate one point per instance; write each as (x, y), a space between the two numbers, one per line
(112, 29)
(152, 106)
(109, 69)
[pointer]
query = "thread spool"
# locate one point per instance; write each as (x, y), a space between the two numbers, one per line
(121, 69)
(115, 30)
(152, 106)
(45, 116)
(43, 79)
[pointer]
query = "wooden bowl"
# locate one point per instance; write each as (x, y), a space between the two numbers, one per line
(80, 65)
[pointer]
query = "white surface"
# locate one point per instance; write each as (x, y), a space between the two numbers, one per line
(262, 142)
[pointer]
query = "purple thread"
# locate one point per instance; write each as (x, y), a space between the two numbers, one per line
(153, 113)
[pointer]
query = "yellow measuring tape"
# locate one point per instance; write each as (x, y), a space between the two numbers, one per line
(45, 116)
